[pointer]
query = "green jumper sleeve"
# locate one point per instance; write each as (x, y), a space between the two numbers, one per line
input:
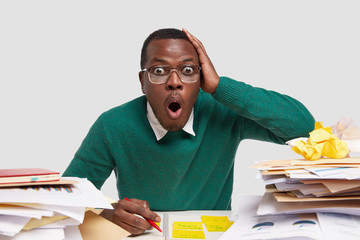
(265, 115)
(93, 159)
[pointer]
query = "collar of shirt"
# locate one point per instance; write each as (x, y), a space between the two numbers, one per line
(159, 130)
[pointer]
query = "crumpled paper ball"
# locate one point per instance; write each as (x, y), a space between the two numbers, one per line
(346, 130)
(321, 143)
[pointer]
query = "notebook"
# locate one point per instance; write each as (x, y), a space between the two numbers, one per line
(27, 175)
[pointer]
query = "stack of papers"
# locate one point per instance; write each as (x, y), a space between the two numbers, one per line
(302, 186)
(318, 200)
(47, 211)
(319, 226)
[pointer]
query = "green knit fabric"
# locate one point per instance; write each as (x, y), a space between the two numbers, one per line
(181, 171)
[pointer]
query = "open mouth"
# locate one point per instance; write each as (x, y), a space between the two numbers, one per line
(174, 106)
(174, 110)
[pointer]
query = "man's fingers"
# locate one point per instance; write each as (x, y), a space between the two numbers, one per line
(131, 229)
(139, 207)
(143, 203)
(196, 42)
(210, 79)
(131, 223)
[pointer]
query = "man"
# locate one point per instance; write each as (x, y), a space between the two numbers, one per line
(174, 147)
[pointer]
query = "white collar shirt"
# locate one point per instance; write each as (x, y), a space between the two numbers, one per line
(159, 130)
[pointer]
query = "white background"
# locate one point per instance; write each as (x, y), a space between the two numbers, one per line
(63, 63)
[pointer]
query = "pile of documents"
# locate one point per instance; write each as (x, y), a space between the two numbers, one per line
(302, 186)
(303, 200)
(316, 226)
(40, 209)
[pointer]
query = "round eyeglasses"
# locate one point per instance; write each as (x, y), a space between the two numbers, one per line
(188, 73)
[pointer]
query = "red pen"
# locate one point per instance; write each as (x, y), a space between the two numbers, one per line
(149, 221)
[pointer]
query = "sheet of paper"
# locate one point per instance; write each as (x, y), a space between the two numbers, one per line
(35, 223)
(311, 188)
(83, 194)
(339, 226)
(274, 179)
(284, 186)
(284, 197)
(91, 196)
(188, 234)
(6, 209)
(76, 212)
(11, 225)
(72, 233)
(39, 234)
(269, 205)
(323, 161)
(273, 227)
(298, 163)
(341, 185)
(62, 223)
(247, 219)
(337, 173)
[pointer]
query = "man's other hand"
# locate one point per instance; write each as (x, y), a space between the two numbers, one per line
(123, 215)
(210, 79)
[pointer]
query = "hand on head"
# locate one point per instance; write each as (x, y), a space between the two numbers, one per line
(210, 79)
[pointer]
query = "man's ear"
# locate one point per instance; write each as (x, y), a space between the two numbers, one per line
(141, 78)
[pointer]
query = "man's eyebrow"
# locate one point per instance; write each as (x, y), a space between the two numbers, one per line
(163, 61)
(159, 60)
(187, 60)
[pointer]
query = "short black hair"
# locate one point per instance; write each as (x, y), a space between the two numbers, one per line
(165, 33)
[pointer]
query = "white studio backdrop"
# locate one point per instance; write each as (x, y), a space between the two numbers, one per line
(63, 63)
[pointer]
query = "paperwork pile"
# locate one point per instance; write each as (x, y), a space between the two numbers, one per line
(301, 186)
(319, 226)
(303, 200)
(317, 198)
(47, 211)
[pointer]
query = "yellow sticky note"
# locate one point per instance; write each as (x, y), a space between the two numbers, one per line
(218, 226)
(188, 225)
(206, 219)
(192, 234)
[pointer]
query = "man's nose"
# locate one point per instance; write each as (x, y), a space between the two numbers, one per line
(174, 82)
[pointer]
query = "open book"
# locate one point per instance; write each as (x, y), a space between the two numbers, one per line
(189, 225)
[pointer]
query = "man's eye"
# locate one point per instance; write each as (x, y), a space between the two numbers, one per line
(159, 71)
(188, 70)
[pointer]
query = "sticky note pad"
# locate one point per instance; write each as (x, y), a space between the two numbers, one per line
(188, 225)
(192, 234)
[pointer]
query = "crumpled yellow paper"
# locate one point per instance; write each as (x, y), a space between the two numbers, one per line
(321, 143)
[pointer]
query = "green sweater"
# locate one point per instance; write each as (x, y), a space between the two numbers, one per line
(181, 171)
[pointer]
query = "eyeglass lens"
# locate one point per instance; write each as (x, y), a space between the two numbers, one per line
(187, 73)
